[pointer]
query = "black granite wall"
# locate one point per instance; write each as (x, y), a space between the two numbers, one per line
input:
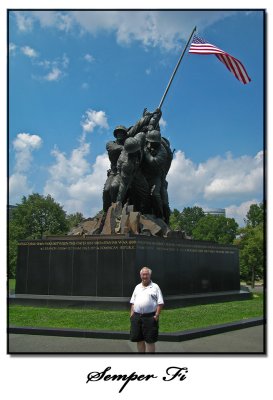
(109, 266)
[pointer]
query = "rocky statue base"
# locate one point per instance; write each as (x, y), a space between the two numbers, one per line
(102, 270)
(121, 221)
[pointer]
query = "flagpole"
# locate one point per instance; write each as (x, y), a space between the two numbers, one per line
(174, 72)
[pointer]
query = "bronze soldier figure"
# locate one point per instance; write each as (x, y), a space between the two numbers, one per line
(114, 149)
(140, 160)
(133, 187)
(153, 167)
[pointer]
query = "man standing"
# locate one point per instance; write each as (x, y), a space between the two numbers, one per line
(146, 304)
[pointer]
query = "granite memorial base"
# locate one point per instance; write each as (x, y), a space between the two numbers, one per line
(102, 271)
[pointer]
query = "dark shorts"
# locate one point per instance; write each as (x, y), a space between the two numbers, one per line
(144, 328)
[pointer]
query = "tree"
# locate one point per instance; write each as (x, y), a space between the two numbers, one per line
(255, 215)
(215, 228)
(35, 217)
(189, 219)
(74, 219)
(12, 254)
(39, 215)
(251, 245)
(175, 222)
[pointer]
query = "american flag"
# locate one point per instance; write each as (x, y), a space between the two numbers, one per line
(200, 46)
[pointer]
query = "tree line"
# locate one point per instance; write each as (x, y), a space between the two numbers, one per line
(37, 216)
(249, 239)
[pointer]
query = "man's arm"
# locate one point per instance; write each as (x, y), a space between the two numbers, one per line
(132, 310)
(158, 310)
(145, 121)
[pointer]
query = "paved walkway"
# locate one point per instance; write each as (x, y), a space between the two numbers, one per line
(248, 340)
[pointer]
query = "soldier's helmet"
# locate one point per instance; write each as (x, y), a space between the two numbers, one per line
(153, 136)
(131, 145)
(120, 128)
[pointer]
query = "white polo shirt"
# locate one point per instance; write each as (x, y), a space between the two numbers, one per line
(146, 298)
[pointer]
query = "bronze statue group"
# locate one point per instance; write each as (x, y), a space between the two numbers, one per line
(140, 160)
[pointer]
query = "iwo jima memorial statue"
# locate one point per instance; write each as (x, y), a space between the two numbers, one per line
(98, 262)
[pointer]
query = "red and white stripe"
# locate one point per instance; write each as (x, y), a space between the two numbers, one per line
(235, 66)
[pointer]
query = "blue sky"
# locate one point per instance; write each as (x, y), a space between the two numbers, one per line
(74, 76)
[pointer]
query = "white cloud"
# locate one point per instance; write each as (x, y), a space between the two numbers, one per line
(48, 19)
(236, 177)
(73, 181)
(57, 68)
(64, 61)
(148, 71)
(92, 119)
(233, 183)
(53, 75)
(89, 58)
(239, 212)
(18, 187)
(151, 28)
(24, 145)
(75, 184)
(73, 168)
(24, 21)
(162, 123)
(26, 140)
(96, 21)
(65, 22)
(216, 181)
(29, 52)
(91, 186)
(12, 48)
(79, 186)
(165, 29)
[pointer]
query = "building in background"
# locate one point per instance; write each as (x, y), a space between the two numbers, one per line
(216, 211)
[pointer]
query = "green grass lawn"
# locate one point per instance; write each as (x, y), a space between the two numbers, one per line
(12, 284)
(170, 320)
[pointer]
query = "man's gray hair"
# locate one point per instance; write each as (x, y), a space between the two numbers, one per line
(148, 269)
